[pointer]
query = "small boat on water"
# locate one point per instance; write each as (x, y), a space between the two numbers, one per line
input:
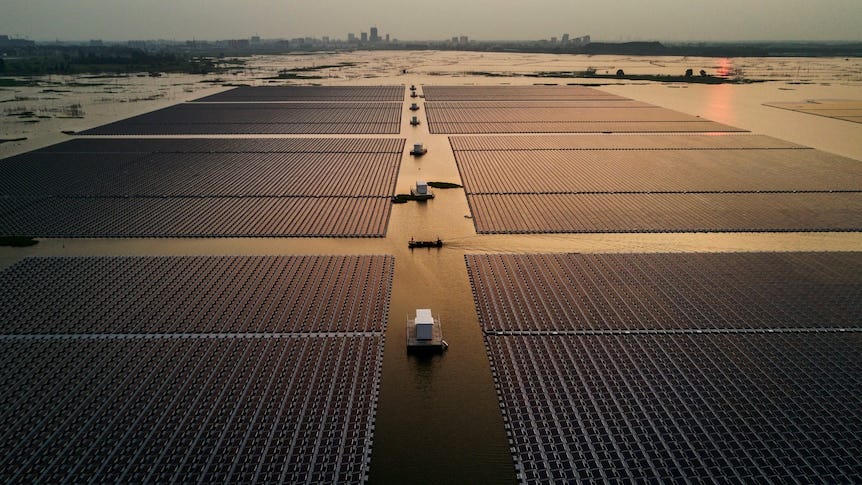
(413, 243)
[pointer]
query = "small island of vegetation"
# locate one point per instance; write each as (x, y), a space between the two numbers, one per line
(444, 185)
(17, 241)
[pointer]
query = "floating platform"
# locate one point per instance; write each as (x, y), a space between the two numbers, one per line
(425, 333)
(418, 149)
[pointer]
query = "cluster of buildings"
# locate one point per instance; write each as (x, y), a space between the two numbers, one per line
(372, 36)
(8, 42)
(575, 41)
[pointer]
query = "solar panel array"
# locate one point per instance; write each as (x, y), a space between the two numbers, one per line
(201, 187)
(676, 367)
(517, 93)
(550, 109)
(616, 171)
(674, 212)
(174, 369)
(682, 408)
(633, 292)
(838, 109)
(260, 118)
(200, 294)
(307, 93)
(656, 183)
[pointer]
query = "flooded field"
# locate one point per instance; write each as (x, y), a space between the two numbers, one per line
(442, 412)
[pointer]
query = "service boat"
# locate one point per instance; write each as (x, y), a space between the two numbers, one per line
(425, 332)
(412, 243)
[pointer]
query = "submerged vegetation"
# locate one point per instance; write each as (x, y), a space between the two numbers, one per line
(402, 198)
(298, 72)
(17, 241)
(11, 140)
(8, 82)
(444, 185)
(685, 78)
(44, 60)
(688, 77)
(27, 114)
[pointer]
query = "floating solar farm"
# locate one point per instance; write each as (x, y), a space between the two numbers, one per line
(676, 367)
(201, 187)
(200, 295)
(550, 109)
(838, 109)
(273, 110)
(656, 183)
(212, 369)
(261, 118)
(307, 93)
(607, 367)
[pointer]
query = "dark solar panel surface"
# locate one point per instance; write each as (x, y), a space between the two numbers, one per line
(625, 292)
(191, 369)
(608, 127)
(635, 142)
(561, 113)
(246, 174)
(516, 93)
(666, 212)
(261, 118)
(188, 187)
(285, 409)
(551, 109)
(308, 93)
(655, 183)
(614, 171)
(196, 216)
(201, 294)
(676, 367)
(682, 408)
(223, 145)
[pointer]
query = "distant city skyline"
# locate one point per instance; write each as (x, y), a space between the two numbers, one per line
(620, 20)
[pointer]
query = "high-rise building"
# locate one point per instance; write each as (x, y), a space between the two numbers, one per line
(351, 37)
(363, 37)
(464, 40)
(565, 38)
(374, 36)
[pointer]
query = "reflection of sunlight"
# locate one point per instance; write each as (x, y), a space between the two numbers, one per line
(718, 103)
(725, 67)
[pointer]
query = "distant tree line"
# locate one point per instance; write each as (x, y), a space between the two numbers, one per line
(41, 60)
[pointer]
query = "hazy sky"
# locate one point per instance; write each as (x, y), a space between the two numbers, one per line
(611, 20)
